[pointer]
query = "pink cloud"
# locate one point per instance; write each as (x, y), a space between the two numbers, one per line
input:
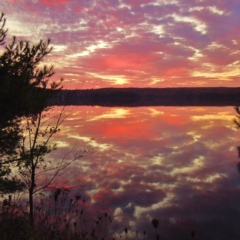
(52, 2)
(142, 41)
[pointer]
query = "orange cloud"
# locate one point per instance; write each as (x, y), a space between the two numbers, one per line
(52, 2)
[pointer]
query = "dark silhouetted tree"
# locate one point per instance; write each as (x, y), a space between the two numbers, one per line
(25, 131)
(24, 90)
(237, 124)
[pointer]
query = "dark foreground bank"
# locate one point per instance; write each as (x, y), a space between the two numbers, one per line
(134, 97)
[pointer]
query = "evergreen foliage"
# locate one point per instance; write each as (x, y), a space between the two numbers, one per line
(24, 90)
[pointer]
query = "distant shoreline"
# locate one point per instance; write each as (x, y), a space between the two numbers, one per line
(135, 97)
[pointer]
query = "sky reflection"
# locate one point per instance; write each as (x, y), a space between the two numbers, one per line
(177, 164)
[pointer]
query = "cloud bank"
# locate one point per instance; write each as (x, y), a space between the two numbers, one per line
(128, 43)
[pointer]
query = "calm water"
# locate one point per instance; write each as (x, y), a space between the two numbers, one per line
(176, 164)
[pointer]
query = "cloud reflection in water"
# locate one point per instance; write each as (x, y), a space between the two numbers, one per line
(176, 164)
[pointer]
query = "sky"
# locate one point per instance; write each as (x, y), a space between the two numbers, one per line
(133, 43)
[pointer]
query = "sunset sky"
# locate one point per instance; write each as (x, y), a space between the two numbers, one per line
(134, 43)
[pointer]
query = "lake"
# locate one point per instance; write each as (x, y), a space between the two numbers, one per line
(174, 164)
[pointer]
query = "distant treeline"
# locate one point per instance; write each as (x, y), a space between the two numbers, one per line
(217, 96)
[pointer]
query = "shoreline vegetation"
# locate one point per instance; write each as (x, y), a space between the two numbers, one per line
(135, 97)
